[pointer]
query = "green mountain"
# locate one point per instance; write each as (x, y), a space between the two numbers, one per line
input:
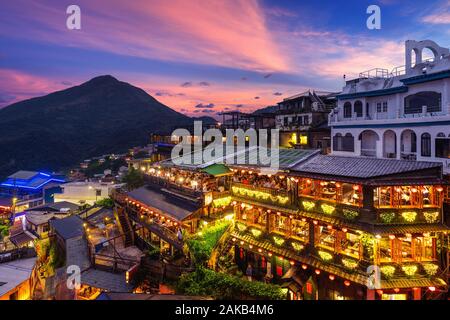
(61, 129)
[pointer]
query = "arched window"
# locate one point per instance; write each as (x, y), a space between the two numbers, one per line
(347, 110)
(337, 142)
(415, 102)
(426, 145)
(349, 143)
(442, 144)
(358, 108)
(343, 143)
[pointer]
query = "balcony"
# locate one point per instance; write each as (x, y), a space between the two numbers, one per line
(408, 156)
(330, 208)
(409, 215)
(263, 195)
(176, 189)
(368, 152)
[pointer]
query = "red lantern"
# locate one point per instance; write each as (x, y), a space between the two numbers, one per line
(317, 271)
(347, 283)
(331, 277)
(396, 290)
(304, 266)
(432, 289)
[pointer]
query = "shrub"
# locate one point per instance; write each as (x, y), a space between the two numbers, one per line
(388, 271)
(202, 244)
(206, 282)
(387, 217)
(430, 268)
(107, 203)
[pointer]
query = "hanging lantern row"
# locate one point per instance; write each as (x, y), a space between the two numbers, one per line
(151, 212)
(331, 276)
(278, 213)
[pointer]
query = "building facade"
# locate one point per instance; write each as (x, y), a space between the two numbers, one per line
(29, 189)
(399, 114)
(302, 120)
(85, 192)
(325, 227)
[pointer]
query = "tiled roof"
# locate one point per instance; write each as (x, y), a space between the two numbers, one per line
(166, 203)
(111, 282)
(411, 283)
(410, 228)
(14, 273)
(360, 167)
(56, 206)
(21, 238)
(68, 228)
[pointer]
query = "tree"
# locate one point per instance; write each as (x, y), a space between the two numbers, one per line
(134, 179)
(106, 203)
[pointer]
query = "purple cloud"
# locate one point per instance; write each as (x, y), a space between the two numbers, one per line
(205, 106)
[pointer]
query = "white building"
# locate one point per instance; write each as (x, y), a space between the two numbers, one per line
(85, 192)
(402, 114)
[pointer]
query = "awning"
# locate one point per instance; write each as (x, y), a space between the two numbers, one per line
(112, 282)
(21, 239)
(217, 170)
(167, 204)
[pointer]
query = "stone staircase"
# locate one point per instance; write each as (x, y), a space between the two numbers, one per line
(222, 247)
(124, 225)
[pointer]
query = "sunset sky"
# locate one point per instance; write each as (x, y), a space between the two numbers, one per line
(203, 57)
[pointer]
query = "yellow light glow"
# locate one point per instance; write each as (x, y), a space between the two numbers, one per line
(303, 140)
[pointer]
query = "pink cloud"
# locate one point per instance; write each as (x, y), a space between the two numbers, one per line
(439, 16)
(16, 86)
(321, 53)
(224, 33)
(222, 95)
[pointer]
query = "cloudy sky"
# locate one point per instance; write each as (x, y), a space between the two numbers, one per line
(203, 57)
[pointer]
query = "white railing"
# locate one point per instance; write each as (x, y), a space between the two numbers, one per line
(368, 152)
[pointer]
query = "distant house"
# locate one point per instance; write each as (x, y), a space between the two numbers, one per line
(303, 120)
(85, 192)
(70, 238)
(29, 189)
(37, 219)
(15, 279)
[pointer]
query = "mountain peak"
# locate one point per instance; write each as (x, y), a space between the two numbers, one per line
(105, 79)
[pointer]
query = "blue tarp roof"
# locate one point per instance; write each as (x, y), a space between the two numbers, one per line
(30, 180)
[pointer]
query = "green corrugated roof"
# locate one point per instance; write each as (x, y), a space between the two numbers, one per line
(217, 170)
(248, 157)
